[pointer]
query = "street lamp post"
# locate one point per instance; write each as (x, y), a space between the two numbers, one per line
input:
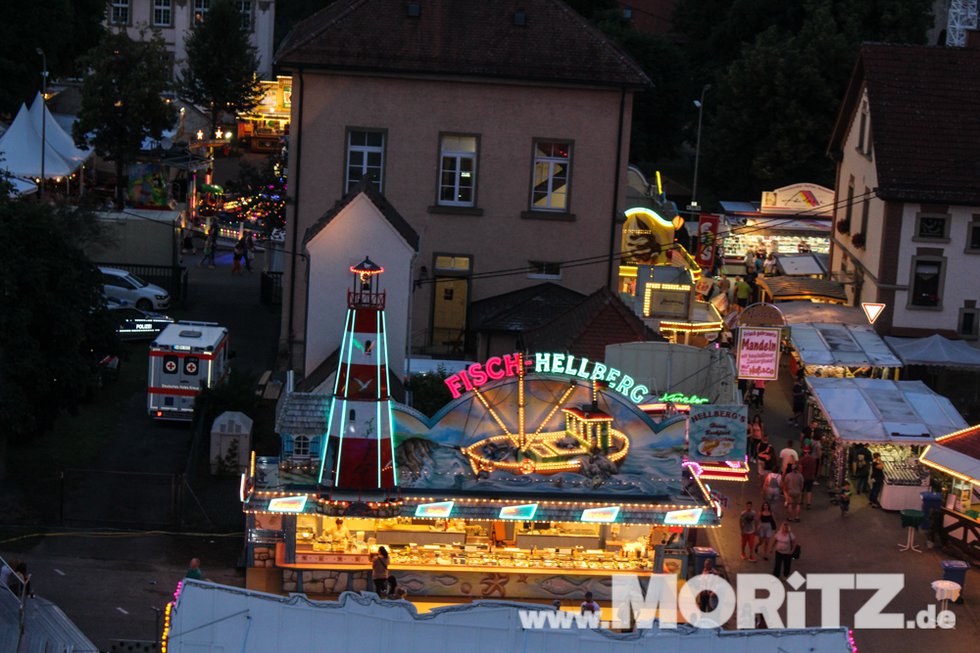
(44, 117)
(697, 149)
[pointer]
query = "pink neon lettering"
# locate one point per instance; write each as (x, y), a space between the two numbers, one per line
(478, 374)
(453, 383)
(493, 368)
(466, 380)
(512, 364)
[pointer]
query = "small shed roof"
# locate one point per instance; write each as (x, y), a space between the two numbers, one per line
(801, 265)
(806, 312)
(841, 345)
(957, 452)
(879, 410)
(785, 288)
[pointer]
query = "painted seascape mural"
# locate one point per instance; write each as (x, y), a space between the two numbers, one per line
(550, 437)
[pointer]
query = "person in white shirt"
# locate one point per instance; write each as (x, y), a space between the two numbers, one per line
(788, 456)
(589, 605)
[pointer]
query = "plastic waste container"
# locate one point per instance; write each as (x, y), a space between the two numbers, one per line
(930, 501)
(955, 570)
(702, 553)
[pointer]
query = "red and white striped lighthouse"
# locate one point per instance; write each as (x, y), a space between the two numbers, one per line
(360, 424)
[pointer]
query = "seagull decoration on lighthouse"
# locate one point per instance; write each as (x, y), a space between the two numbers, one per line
(359, 422)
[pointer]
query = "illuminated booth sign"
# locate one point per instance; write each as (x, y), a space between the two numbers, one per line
(603, 515)
(437, 510)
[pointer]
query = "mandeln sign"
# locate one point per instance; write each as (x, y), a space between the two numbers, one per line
(758, 353)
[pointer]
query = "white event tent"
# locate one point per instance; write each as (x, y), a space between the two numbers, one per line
(20, 147)
(54, 134)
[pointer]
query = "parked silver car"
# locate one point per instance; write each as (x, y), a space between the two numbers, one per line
(121, 285)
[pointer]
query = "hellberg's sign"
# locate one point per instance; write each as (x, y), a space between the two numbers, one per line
(509, 365)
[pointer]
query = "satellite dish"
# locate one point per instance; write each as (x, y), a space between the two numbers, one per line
(166, 144)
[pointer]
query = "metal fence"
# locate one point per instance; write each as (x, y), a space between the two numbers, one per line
(172, 278)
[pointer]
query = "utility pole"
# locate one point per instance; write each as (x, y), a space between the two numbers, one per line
(697, 151)
(44, 116)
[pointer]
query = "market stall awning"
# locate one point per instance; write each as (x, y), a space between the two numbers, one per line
(935, 350)
(879, 410)
(801, 265)
(841, 345)
(785, 288)
(805, 312)
(957, 454)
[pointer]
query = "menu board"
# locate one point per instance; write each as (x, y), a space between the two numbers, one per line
(716, 433)
(758, 353)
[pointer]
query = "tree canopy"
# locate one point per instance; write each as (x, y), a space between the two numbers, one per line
(63, 29)
(54, 325)
(221, 64)
(122, 100)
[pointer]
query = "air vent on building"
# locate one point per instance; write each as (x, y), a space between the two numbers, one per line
(520, 18)
(190, 334)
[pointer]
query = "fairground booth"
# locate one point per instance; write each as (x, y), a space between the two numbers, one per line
(541, 478)
(950, 367)
(841, 351)
(896, 419)
(955, 463)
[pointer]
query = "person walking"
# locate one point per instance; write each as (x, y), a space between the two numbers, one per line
(758, 394)
(877, 480)
(808, 468)
(793, 489)
(742, 292)
(766, 455)
(756, 430)
(844, 498)
(772, 487)
(787, 456)
(194, 570)
(238, 253)
(769, 265)
(799, 400)
(249, 252)
(861, 467)
(707, 599)
(785, 544)
(210, 243)
(767, 528)
(748, 521)
(379, 572)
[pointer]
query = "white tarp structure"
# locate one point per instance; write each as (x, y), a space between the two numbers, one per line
(20, 147)
(54, 134)
(935, 350)
(879, 410)
(210, 617)
(21, 186)
(801, 311)
(841, 345)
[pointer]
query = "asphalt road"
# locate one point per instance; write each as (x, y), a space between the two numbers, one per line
(109, 582)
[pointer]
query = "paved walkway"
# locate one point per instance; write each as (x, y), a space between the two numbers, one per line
(864, 541)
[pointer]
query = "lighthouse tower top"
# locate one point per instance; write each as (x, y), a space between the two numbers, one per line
(365, 291)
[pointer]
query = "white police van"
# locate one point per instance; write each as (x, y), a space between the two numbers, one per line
(184, 359)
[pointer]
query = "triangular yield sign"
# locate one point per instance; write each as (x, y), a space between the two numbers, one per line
(872, 310)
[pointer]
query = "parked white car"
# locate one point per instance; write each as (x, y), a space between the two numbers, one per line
(121, 285)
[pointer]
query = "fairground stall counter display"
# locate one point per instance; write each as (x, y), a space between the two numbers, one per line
(955, 464)
(540, 479)
(896, 419)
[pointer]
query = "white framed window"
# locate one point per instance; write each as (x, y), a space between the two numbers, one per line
(163, 13)
(245, 7)
(119, 12)
(543, 270)
(973, 236)
(301, 445)
(365, 157)
(452, 263)
(968, 322)
(928, 279)
(551, 166)
(931, 226)
(201, 9)
(457, 170)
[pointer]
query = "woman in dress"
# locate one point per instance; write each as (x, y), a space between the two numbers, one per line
(767, 529)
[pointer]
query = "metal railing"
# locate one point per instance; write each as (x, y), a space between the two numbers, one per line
(172, 278)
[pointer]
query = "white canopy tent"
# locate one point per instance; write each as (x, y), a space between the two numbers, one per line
(54, 134)
(21, 186)
(841, 345)
(935, 350)
(20, 147)
(880, 410)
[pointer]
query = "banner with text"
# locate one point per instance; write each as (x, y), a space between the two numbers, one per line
(707, 241)
(758, 353)
(717, 433)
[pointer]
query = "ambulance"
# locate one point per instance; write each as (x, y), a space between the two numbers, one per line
(184, 359)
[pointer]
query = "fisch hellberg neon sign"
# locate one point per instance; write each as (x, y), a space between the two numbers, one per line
(509, 365)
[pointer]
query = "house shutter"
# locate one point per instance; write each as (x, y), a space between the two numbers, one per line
(315, 446)
(287, 445)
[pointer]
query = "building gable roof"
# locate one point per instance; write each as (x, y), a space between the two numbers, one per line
(926, 140)
(364, 186)
(522, 309)
(600, 319)
(460, 37)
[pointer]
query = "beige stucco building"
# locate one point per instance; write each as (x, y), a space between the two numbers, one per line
(498, 129)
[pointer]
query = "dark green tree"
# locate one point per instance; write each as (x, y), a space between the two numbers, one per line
(221, 64)
(54, 327)
(122, 102)
(63, 29)
(429, 391)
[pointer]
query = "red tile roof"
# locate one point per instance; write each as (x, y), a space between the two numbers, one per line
(923, 107)
(460, 37)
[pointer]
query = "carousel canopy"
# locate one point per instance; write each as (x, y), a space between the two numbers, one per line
(935, 350)
(841, 345)
(879, 410)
